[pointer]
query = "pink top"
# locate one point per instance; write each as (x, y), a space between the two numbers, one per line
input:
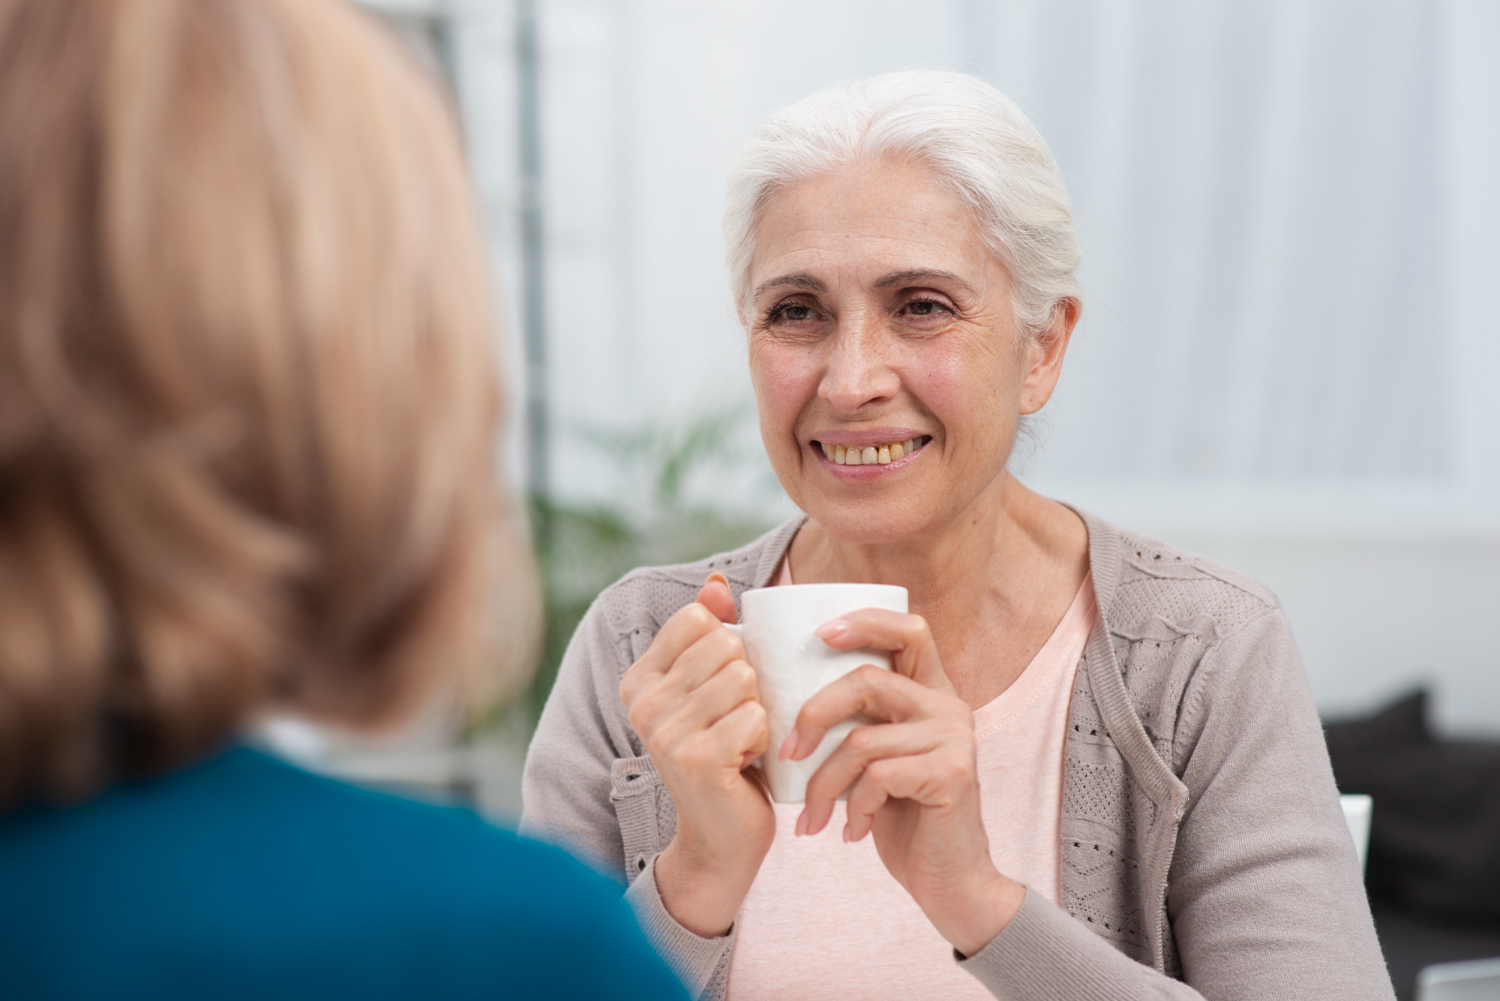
(825, 919)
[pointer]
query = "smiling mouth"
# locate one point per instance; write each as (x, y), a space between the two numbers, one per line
(872, 455)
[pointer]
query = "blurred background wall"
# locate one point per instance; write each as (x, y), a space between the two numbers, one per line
(1289, 358)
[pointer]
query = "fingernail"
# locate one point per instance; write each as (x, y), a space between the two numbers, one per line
(801, 823)
(788, 746)
(832, 630)
(847, 838)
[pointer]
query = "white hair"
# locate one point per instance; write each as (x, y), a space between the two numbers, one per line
(970, 135)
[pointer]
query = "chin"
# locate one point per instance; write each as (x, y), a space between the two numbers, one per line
(867, 523)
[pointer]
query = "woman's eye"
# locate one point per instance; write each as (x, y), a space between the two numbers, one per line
(925, 307)
(790, 312)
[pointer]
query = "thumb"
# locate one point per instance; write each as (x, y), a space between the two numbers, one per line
(716, 597)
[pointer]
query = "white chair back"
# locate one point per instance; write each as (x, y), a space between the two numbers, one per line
(1357, 816)
(1476, 980)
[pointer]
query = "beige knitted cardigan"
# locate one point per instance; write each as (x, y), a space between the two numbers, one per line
(1204, 853)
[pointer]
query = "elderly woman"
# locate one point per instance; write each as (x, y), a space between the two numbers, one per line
(1096, 771)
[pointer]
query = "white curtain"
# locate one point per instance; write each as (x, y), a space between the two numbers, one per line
(1276, 203)
(1291, 227)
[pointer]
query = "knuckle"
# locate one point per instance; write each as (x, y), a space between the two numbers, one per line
(954, 770)
(660, 747)
(657, 742)
(956, 728)
(822, 786)
(722, 645)
(730, 724)
(698, 616)
(693, 755)
(870, 676)
(864, 799)
(944, 773)
(643, 718)
(860, 739)
(742, 674)
(637, 714)
(630, 681)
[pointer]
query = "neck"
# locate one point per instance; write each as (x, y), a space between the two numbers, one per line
(1007, 566)
(933, 564)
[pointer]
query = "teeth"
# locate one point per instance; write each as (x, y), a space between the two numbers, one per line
(872, 455)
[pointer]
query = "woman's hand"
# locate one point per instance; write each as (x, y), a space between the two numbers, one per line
(912, 777)
(693, 699)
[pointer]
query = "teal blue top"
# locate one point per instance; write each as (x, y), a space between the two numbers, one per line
(244, 877)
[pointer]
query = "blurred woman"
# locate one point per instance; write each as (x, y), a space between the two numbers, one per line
(1096, 772)
(248, 408)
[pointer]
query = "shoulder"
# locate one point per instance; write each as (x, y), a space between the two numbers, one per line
(243, 811)
(494, 906)
(463, 888)
(310, 880)
(1186, 633)
(646, 597)
(1153, 584)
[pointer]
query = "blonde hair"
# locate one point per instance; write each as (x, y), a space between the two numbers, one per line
(248, 392)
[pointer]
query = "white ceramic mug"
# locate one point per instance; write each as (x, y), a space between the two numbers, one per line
(791, 664)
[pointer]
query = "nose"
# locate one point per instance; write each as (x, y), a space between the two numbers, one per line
(858, 373)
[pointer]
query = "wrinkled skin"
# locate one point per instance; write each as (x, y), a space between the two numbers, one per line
(877, 314)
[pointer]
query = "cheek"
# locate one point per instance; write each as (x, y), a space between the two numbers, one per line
(785, 379)
(967, 389)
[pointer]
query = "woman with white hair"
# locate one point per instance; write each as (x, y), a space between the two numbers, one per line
(1096, 771)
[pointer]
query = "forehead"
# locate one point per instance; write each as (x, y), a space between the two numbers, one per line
(872, 216)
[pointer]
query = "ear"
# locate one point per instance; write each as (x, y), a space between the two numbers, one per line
(1044, 355)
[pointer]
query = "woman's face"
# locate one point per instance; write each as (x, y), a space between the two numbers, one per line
(878, 321)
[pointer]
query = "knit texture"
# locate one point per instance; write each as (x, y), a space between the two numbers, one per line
(1204, 853)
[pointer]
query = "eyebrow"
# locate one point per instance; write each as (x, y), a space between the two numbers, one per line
(803, 281)
(897, 279)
